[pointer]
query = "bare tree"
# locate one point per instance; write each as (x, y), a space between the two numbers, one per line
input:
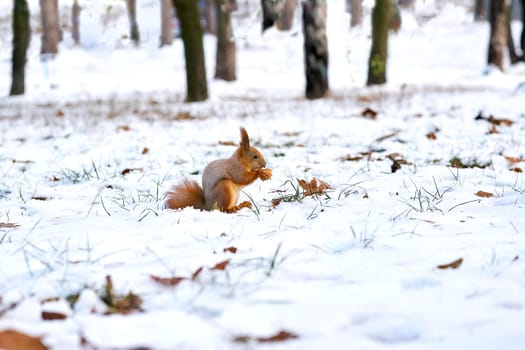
(225, 56)
(191, 31)
(356, 12)
(21, 37)
(134, 33)
(315, 48)
(498, 33)
(381, 20)
(75, 22)
(166, 15)
(50, 27)
(285, 20)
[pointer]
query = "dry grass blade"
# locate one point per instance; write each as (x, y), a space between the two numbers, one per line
(8, 225)
(167, 281)
(452, 265)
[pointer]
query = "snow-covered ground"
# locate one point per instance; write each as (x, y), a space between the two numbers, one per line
(85, 165)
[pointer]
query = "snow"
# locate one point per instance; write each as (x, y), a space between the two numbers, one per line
(356, 268)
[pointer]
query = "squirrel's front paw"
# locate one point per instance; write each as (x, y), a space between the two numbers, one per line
(264, 174)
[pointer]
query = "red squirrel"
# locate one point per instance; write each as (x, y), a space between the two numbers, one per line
(222, 181)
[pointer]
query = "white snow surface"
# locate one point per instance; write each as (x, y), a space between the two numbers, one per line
(356, 268)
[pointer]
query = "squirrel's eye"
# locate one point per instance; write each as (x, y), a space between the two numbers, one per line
(255, 156)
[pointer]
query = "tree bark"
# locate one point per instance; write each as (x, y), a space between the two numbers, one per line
(522, 37)
(134, 33)
(211, 20)
(356, 12)
(271, 10)
(498, 33)
(191, 32)
(225, 55)
(315, 48)
(479, 10)
(21, 37)
(377, 61)
(75, 22)
(166, 16)
(50, 26)
(285, 20)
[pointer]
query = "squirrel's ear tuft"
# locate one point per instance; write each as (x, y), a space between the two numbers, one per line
(245, 140)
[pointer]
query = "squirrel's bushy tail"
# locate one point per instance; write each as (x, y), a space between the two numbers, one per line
(186, 194)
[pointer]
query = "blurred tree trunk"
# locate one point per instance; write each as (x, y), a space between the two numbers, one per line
(513, 55)
(134, 33)
(285, 20)
(166, 17)
(480, 13)
(522, 38)
(21, 36)
(271, 10)
(191, 32)
(211, 20)
(50, 27)
(498, 33)
(315, 48)
(381, 19)
(356, 12)
(75, 22)
(225, 55)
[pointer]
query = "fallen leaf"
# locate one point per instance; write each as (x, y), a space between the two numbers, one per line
(500, 121)
(129, 170)
(516, 258)
(314, 187)
(168, 281)
(145, 150)
(8, 225)
(59, 113)
(124, 128)
(221, 266)
(228, 143)
(349, 158)
(484, 194)
(196, 274)
(516, 170)
(369, 113)
(184, 116)
(276, 202)
(514, 160)
(40, 198)
(13, 340)
(120, 304)
(493, 130)
(431, 136)
(232, 250)
(280, 336)
(50, 316)
(453, 265)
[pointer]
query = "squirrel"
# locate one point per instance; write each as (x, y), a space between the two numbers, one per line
(222, 181)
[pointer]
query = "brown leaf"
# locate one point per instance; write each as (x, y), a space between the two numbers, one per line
(484, 194)
(221, 266)
(228, 143)
(40, 198)
(13, 340)
(196, 274)
(129, 170)
(453, 265)
(280, 336)
(184, 116)
(50, 316)
(493, 130)
(514, 160)
(349, 158)
(369, 113)
(516, 170)
(8, 225)
(60, 113)
(431, 136)
(500, 121)
(313, 187)
(145, 150)
(232, 250)
(124, 128)
(168, 281)
(276, 202)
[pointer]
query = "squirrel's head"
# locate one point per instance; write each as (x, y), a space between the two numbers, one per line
(250, 156)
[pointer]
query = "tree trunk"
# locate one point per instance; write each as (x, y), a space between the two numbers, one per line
(75, 22)
(21, 36)
(381, 20)
(498, 33)
(225, 56)
(522, 37)
(315, 48)
(285, 20)
(211, 20)
(356, 12)
(191, 32)
(271, 10)
(166, 16)
(479, 10)
(134, 33)
(50, 27)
